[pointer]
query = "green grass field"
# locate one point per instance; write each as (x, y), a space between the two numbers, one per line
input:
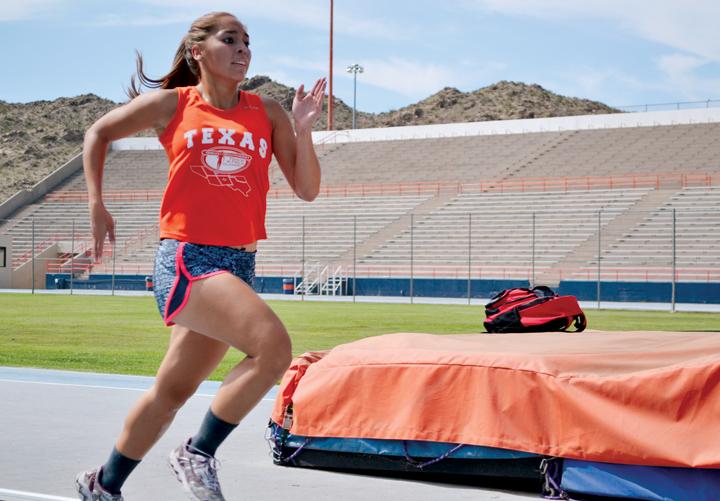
(125, 334)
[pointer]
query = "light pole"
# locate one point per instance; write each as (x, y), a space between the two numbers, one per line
(330, 97)
(354, 69)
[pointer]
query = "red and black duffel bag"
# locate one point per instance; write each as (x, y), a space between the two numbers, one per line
(533, 310)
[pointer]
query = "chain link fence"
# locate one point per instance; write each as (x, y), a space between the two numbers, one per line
(682, 105)
(409, 255)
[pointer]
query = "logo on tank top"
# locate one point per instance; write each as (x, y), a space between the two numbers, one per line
(225, 160)
(221, 167)
(222, 163)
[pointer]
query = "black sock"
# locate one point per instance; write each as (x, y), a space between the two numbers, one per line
(212, 433)
(116, 470)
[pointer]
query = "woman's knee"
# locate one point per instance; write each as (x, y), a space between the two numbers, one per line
(275, 353)
(174, 396)
(280, 361)
(274, 363)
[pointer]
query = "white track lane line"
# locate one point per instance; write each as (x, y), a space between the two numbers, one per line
(10, 495)
(76, 385)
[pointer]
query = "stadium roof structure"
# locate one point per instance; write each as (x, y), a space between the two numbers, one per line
(519, 126)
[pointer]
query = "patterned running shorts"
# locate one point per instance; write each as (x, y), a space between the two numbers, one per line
(179, 264)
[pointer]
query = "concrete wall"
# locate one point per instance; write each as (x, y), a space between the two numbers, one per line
(6, 262)
(686, 292)
(651, 292)
(42, 188)
(97, 282)
(22, 277)
(520, 126)
(422, 287)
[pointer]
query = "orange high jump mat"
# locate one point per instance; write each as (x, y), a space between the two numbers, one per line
(647, 398)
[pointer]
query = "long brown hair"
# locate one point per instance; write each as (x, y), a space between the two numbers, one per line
(185, 70)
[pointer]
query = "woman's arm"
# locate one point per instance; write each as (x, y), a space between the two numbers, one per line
(152, 110)
(294, 150)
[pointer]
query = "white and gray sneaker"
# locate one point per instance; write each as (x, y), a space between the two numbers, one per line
(89, 488)
(197, 472)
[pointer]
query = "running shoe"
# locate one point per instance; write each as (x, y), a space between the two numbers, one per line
(90, 489)
(197, 472)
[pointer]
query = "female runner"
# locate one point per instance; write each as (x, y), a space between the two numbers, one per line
(219, 143)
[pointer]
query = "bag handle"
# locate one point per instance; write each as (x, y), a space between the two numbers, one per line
(580, 323)
(543, 291)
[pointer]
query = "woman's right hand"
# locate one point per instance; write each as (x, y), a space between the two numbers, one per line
(152, 110)
(103, 225)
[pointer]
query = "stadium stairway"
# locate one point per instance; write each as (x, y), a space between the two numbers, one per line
(400, 225)
(649, 242)
(502, 229)
(586, 252)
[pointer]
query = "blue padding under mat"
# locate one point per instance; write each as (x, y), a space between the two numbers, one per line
(415, 449)
(652, 483)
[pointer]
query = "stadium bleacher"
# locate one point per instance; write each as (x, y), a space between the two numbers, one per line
(521, 205)
(696, 233)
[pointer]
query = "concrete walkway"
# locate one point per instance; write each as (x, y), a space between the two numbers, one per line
(56, 423)
(588, 305)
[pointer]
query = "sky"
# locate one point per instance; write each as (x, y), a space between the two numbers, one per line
(619, 52)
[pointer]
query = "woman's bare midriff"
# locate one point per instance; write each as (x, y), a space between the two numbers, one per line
(251, 247)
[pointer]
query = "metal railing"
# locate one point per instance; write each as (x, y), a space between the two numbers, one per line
(542, 247)
(567, 183)
(680, 105)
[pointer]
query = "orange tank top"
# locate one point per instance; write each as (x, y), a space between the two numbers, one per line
(218, 178)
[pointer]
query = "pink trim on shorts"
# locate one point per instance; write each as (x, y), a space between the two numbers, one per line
(178, 260)
(181, 268)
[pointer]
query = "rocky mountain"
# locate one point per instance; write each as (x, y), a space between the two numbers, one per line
(500, 101)
(37, 137)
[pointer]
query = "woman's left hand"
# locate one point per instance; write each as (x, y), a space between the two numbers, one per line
(306, 108)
